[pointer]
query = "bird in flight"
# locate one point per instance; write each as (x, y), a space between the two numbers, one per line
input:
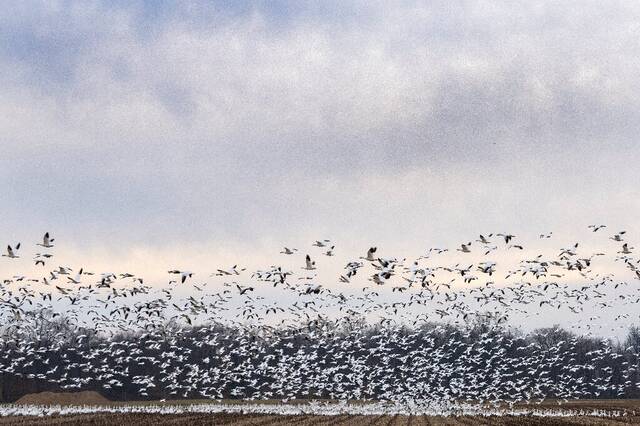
(370, 254)
(464, 248)
(183, 274)
(618, 236)
(46, 241)
(11, 252)
(309, 265)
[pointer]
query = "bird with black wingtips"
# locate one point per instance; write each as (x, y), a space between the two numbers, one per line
(12, 252)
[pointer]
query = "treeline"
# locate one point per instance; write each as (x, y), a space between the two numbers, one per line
(321, 359)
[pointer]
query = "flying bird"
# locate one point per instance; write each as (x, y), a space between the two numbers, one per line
(370, 254)
(11, 252)
(309, 265)
(46, 241)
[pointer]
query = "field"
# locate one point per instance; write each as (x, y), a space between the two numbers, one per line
(586, 412)
(307, 420)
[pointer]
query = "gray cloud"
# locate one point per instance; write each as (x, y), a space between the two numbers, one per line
(270, 121)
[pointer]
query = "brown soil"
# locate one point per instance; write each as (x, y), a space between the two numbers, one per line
(64, 398)
(344, 420)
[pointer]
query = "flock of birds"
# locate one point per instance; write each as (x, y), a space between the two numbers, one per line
(435, 327)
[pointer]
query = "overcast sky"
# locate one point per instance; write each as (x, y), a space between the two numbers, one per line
(228, 128)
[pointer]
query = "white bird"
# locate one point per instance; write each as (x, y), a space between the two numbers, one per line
(183, 274)
(370, 254)
(309, 265)
(464, 248)
(11, 253)
(46, 241)
(618, 236)
(507, 237)
(288, 250)
(62, 270)
(77, 279)
(233, 271)
(484, 240)
(626, 249)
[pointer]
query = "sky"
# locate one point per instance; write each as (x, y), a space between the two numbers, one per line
(154, 134)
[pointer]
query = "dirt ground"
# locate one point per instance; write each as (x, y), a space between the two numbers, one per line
(64, 398)
(264, 420)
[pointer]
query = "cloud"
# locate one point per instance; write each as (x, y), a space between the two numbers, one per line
(152, 124)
